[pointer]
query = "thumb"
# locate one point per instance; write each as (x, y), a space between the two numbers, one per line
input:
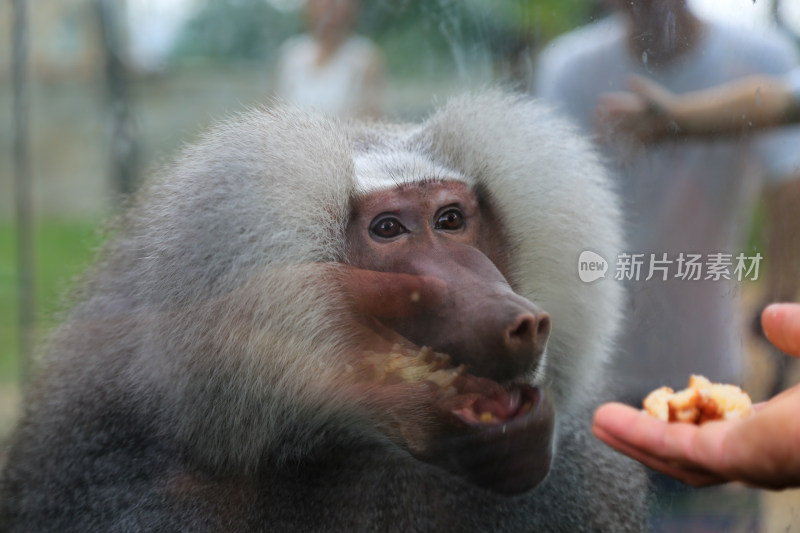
(781, 323)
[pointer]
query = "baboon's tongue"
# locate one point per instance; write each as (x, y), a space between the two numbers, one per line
(493, 404)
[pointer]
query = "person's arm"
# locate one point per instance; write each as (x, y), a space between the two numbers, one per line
(650, 112)
(762, 450)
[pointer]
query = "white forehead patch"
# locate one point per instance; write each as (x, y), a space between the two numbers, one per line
(377, 171)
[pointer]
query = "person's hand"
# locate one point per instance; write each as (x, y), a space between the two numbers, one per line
(761, 450)
(642, 113)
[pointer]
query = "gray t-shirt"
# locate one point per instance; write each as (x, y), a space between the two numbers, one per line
(679, 197)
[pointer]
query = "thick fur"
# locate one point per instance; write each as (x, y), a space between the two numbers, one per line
(197, 385)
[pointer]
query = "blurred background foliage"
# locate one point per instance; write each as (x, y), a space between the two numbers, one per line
(246, 30)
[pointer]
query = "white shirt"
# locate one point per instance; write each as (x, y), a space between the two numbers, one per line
(339, 87)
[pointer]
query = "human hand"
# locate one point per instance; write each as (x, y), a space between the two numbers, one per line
(642, 113)
(760, 450)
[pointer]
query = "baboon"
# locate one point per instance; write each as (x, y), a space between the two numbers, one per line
(238, 357)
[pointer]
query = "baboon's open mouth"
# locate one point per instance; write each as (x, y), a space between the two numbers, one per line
(497, 405)
(497, 436)
(500, 437)
(473, 400)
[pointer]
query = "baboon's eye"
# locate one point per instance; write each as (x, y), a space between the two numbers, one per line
(387, 227)
(452, 219)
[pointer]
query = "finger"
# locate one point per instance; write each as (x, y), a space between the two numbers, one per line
(780, 397)
(688, 473)
(686, 443)
(642, 431)
(389, 294)
(781, 323)
(667, 447)
(759, 406)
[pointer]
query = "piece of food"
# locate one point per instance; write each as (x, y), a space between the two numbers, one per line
(472, 400)
(402, 364)
(701, 402)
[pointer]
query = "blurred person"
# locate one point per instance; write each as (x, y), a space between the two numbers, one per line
(760, 450)
(331, 69)
(680, 198)
(652, 113)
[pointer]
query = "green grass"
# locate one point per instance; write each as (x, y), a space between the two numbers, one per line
(62, 250)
